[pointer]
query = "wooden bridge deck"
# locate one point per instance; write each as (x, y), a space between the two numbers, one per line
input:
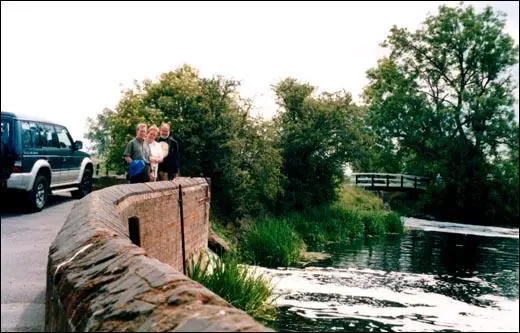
(389, 181)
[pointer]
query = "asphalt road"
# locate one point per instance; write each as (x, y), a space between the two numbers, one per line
(26, 239)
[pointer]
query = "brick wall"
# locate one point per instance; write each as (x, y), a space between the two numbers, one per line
(159, 217)
(98, 280)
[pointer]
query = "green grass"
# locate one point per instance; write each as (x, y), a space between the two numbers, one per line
(370, 210)
(278, 241)
(373, 222)
(393, 223)
(360, 199)
(272, 242)
(236, 284)
(319, 225)
(337, 222)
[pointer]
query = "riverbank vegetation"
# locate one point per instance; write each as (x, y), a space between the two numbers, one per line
(277, 241)
(235, 283)
(281, 241)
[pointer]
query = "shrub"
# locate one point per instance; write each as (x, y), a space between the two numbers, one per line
(393, 223)
(374, 222)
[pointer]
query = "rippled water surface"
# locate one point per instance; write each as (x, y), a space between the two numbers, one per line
(435, 277)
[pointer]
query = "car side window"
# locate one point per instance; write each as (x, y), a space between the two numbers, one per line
(30, 135)
(63, 137)
(48, 136)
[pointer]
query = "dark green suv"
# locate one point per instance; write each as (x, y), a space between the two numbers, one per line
(40, 158)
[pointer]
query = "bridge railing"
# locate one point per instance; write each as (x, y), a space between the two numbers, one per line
(389, 180)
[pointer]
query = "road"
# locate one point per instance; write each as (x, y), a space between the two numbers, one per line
(26, 239)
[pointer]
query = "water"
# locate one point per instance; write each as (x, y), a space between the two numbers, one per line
(435, 277)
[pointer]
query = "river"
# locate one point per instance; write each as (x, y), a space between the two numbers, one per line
(435, 277)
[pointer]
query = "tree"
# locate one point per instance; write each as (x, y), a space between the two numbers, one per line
(217, 137)
(99, 131)
(443, 102)
(317, 136)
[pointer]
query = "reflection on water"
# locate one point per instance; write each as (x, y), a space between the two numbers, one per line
(419, 281)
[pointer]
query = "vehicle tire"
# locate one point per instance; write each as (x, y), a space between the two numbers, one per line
(39, 194)
(85, 187)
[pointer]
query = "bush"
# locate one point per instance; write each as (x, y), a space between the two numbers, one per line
(273, 242)
(393, 223)
(374, 222)
(236, 284)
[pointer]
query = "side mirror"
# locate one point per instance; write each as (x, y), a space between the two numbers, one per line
(78, 145)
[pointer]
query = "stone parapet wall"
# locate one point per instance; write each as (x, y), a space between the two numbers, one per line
(99, 280)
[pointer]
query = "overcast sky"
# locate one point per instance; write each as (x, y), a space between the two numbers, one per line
(67, 61)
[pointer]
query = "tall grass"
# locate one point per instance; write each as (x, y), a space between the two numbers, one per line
(393, 223)
(370, 210)
(236, 284)
(323, 224)
(339, 221)
(272, 242)
(360, 199)
(280, 241)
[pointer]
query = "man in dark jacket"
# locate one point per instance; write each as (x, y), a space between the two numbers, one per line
(170, 166)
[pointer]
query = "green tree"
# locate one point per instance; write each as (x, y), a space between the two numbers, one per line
(99, 131)
(317, 136)
(218, 138)
(442, 102)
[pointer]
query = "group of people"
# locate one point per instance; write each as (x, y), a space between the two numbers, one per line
(152, 155)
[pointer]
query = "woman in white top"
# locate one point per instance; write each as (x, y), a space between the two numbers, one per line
(156, 153)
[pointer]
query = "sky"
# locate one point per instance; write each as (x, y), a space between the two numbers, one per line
(66, 61)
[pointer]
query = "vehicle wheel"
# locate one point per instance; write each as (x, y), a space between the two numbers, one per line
(85, 187)
(39, 194)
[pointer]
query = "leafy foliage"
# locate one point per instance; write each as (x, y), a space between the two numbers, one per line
(317, 137)
(218, 138)
(99, 131)
(442, 103)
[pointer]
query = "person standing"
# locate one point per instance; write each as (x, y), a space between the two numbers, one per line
(170, 166)
(136, 155)
(156, 153)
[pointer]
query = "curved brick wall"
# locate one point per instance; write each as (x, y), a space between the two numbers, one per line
(99, 280)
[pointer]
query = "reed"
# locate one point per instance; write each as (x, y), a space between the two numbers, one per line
(273, 242)
(236, 284)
